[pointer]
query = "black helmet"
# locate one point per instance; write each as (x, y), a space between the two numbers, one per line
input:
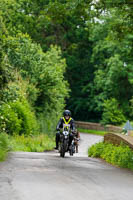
(67, 113)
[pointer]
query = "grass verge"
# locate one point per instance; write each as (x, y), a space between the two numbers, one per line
(4, 146)
(121, 156)
(95, 132)
(38, 143)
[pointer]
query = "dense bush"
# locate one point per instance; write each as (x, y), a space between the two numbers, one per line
(17, 118)
(27, 117)
(4, 146)
(118, 155)
(112, 113)
(9, 121)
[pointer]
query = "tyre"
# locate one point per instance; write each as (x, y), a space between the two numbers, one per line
(65, 145)
(62, 151)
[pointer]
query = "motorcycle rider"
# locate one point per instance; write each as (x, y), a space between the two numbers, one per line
(66, 120)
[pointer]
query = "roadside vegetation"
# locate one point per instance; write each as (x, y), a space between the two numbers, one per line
(4, 146)
(38, 143)
(121, 156)
(34, 143)
(95, 132)
(32, 84)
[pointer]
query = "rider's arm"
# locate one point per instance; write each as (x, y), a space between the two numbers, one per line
(72, 125)
(59, 125)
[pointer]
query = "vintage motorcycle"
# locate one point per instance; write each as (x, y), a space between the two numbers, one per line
(64, 141)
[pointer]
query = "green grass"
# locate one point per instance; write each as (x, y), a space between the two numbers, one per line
(38, 143)
(95, 132)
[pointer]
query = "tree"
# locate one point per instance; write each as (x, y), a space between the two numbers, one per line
(112, 113)
(111, 36)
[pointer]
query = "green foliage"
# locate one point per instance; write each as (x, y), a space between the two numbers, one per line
(4, 146)
(17, 117)
(97, 46)
(131, 108)
(27, 117)
(39, 143)
(15, 89)
(111, 35)
(9, 120)
(112, 113)
(38, 78)
(5, 71)
(48, 122)
(44, 71)
(96, 150)
(16, 114)
(60, 23)
(118, 155)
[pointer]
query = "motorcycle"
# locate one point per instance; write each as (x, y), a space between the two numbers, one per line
(64, 141)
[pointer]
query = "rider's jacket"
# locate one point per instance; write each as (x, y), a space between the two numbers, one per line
(65, 123)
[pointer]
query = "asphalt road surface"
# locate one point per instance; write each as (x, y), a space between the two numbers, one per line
(47, 176)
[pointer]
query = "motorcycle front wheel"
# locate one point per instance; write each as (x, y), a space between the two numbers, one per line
(62, 151)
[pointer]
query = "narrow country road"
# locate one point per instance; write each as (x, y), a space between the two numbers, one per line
(46, 176)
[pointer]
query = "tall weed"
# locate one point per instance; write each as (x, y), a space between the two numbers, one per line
(38, 143)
